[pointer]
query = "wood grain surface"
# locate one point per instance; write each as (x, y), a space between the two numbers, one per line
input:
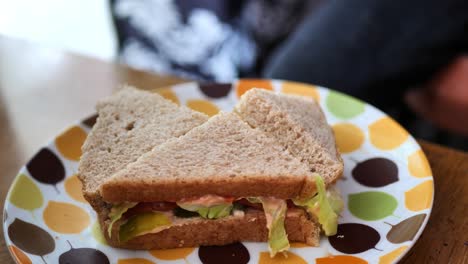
(43, 90)
(445, 239)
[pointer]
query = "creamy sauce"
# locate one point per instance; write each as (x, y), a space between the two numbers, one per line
(207, 200)
(271, 205)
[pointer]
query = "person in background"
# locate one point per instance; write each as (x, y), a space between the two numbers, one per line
(405, 57)
(203, 39)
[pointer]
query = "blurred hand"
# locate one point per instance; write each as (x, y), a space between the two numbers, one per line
(444, 101)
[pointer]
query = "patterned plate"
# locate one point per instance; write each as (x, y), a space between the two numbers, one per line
(388, 191)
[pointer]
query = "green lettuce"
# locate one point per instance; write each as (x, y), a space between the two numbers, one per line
(116, 213)
(143, 223)
(211, 212)
(334, 197)
(326, 206)
(275, 212)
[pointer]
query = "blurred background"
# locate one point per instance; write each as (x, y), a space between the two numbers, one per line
(83, 26)
(406, 58)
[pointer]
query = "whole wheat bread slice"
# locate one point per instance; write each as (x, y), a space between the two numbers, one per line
(298, 124)
(224, 156)
(129, 124)
(194, 232)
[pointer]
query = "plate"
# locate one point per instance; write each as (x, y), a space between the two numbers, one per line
(387, 187)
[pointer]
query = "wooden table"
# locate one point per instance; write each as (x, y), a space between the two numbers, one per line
(43, 90)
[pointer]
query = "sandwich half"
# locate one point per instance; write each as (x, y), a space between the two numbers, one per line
(129, 124)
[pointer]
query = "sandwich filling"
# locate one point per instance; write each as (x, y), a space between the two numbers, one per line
(151, 217)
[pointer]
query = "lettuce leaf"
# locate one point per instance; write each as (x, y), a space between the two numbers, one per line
(275, 213)
(211, 212)
(325, 206)
(334, 197)
(254, 200)
(143, 223)
(116, 213)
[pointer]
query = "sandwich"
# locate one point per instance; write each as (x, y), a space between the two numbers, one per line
(261, 173)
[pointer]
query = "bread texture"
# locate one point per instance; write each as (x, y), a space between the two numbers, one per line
(224, 157)
(298, 124)
(129, 124)
(193, 232)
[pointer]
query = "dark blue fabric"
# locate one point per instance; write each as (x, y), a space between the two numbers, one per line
(365, 47)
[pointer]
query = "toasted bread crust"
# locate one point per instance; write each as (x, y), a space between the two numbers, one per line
(202, 232)
(174, 190)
